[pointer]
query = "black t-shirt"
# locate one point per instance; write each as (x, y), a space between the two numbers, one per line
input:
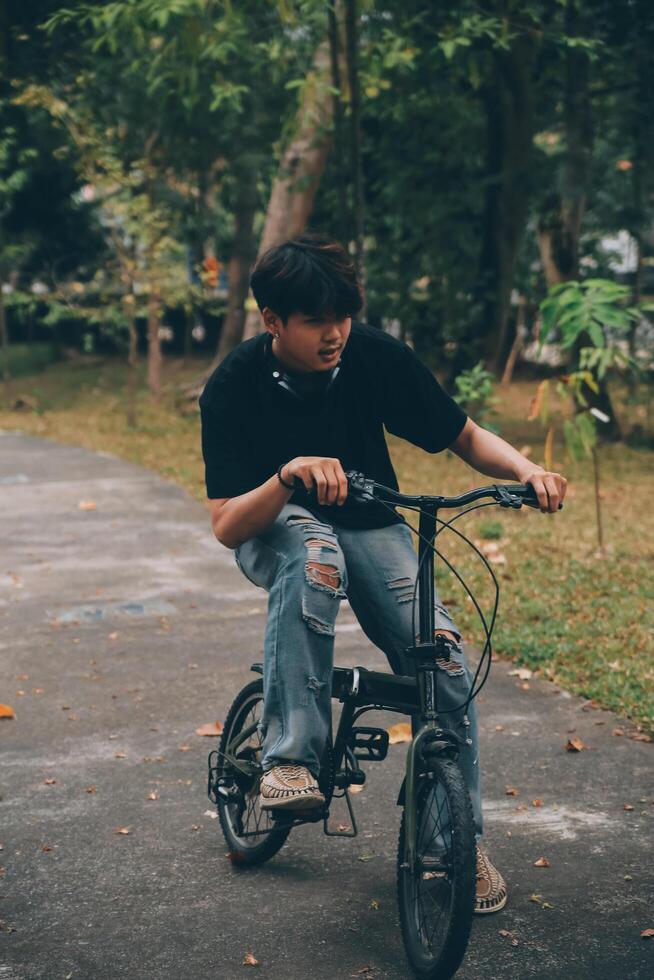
(250, 425)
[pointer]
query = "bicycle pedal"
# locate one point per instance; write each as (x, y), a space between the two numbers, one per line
(368, 744)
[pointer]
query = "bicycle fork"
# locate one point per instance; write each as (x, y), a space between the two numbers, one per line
(425, 653)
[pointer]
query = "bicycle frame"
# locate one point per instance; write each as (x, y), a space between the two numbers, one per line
(361, 690)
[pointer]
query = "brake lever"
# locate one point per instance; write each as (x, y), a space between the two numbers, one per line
(363, 488)
(507, 499)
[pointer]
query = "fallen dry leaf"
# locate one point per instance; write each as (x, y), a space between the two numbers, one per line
(618, 731)
(521, 672)
(183, 748)
(47, 847)
(640, 737)
(627, 806)
(49, 782)
(542, 863)
(575, 744)
(536, 898)
(211, 728)
(536, 802)
(355, 788)
(647, 934)
(123, 830)
(511, 791)
(525, 686)
(87, 505)
(90, 789)
(399, 733)
(152, 796)
(343, 827)
(250, 960)
(6, 711)
(113, 636)
(499, 728)
(374, 904)
(196, 826)
(120, 755)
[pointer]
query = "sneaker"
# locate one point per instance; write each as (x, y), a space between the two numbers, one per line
(289, 787)
(491, 886)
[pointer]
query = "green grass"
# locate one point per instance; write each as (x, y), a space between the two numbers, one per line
(25, 359)
(583, 621)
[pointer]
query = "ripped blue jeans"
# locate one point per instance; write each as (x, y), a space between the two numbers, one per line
(307, 567)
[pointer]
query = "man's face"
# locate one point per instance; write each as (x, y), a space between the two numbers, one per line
(305, 342)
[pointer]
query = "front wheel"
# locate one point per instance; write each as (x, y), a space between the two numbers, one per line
(437, 896)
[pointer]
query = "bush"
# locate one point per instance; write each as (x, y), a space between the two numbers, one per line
(28, 358)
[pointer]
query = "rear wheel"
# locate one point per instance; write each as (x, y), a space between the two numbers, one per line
(251, 834)
(437, 896)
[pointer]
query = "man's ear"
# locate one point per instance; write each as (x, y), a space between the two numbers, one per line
(271, 320)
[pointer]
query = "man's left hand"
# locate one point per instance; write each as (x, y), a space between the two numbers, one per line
(550, 488)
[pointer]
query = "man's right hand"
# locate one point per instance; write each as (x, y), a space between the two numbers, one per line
(322, 472)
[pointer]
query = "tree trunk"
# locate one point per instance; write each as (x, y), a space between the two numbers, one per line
(4, 339)
(343, 222)
(154, 343)
(355, 144)
(243, 252)
(559, 228)
(560, 222)
(188, 332)
(509, 137)
(518, 343)
(132, 363)
(301, 168)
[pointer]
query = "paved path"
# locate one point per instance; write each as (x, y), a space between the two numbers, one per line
(126, 626)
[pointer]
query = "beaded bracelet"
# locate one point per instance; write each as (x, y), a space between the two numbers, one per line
(289, 486)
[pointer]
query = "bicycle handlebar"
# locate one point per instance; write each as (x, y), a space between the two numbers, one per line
(363, 490)
(506, 494)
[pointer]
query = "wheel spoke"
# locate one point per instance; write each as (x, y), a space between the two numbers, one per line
(253, 819)
(431, 888)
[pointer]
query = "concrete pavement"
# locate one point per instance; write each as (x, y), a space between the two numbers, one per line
(126, 626)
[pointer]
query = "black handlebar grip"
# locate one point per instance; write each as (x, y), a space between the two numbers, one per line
(531, 499)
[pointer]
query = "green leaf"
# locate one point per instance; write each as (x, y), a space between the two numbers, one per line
(596, 334)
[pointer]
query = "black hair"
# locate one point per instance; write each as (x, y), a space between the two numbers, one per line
(310, 274)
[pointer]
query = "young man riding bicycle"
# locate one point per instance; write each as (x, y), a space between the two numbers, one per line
(283, 417)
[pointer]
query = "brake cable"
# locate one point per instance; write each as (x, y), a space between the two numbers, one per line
(486, 654)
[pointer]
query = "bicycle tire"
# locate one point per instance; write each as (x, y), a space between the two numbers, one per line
(247, 851)
(441, 959)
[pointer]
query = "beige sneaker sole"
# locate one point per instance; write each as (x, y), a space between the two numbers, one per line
(493, 908)
(304, 801)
